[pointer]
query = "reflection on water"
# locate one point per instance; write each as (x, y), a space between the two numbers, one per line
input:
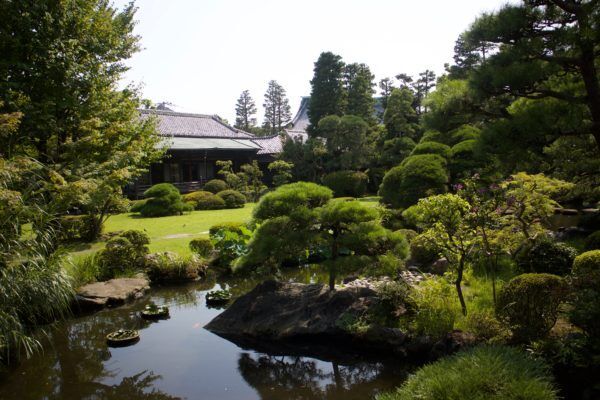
(177, 358)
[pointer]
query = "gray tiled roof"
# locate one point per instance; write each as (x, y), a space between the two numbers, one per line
(300, 121)
(171, 123)
(269, 144)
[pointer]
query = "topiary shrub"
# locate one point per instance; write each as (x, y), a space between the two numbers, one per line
(482, 372)
(423, 252)
(440, 149)
(465, 132)
(528, 304)
(204, 200)
(122, 254)
(215, 186)
(417, 177)
(170, 267)
(292, 198)
(162, 200)
(585, 312)
(138, 239)
(232, 198)
(236, 227)
(550, 257)
(117, 258)
(462, 159)
(592, 242)
(347, 183)
(202, 246)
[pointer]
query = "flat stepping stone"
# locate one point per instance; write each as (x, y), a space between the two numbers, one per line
(111, 293)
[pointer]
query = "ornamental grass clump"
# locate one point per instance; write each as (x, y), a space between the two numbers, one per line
(480, 373)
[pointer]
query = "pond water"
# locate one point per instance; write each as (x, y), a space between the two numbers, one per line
(178, 358)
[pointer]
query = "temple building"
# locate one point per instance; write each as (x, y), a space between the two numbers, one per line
(195, 142)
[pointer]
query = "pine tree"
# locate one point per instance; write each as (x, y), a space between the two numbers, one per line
(245, 109)
(327, 93)
(277, 108)
(423, 86)
(386, 85)
(358, 83)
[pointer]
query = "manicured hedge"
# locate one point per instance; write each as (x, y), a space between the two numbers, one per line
(347, 183)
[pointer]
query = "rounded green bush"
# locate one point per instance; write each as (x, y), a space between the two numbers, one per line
(440, 149)
(235, 227)
(290, 198)
(587, 265)
(528, 304)
(202, 246)
(585, 312)
(465, 132)
(117, 257)
(549, 257)
(480, 373)
(138, 239)
(431, 136)
(162, 200)
(592, 242)
(232, 198)
(347, 183)
(215, 186)
(417, 177)
(204, 200)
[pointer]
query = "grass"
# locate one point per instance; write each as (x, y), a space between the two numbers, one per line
(167, 233)
(481, 373)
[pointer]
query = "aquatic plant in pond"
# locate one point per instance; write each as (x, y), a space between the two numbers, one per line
(218, 297)
(122, 337)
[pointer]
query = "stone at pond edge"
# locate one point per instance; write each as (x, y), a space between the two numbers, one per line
(111, 293)
(292, 312)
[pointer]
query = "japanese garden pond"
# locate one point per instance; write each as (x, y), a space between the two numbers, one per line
(178, 358)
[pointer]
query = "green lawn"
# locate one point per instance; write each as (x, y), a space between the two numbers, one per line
(175, 232)
(169, 233)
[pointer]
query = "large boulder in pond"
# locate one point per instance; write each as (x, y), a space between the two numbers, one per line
(276, 315)
(111, 293)
(281, 310)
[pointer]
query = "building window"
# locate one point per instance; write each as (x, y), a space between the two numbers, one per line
(171, 171)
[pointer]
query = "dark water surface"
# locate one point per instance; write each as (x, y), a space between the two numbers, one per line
(178, 358)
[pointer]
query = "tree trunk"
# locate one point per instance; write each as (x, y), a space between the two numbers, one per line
(457, 283)
(590, 77)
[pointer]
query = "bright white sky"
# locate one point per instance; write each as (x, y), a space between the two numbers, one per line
(200, 54)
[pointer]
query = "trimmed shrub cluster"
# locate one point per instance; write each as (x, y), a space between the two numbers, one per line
(416, 177)
(432, 148)
(347, 183)
(170, 267)
(548, 257)
(232, 198)
(480, 373)
(585, 312)
(162, 200)
(215, 186)
(203, 200)
(528, 304)
(122, 254)
(202, 246)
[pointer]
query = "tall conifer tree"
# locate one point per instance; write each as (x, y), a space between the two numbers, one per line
(245, 110)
